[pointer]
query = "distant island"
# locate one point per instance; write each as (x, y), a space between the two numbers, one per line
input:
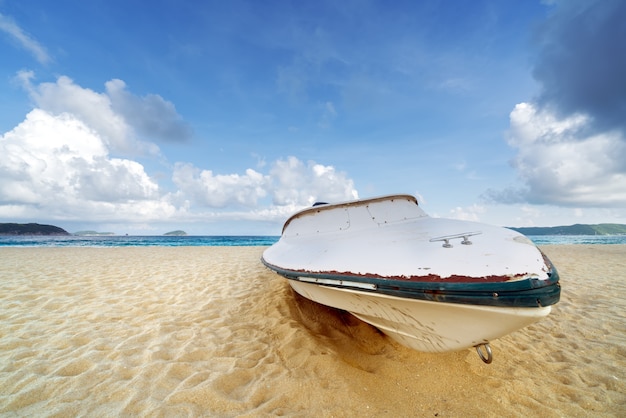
(92, 233)
(577, 229)
(176, 233)
(31, 229)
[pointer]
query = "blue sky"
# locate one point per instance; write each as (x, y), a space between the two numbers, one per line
(224, 117)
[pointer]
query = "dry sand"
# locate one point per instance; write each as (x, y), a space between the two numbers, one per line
(208, 331)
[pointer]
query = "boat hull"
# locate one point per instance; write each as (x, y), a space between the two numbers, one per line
(425, 325)
(431, 284)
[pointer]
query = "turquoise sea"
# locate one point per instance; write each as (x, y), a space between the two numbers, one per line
(135, 241)
(235, 240)
(577, 239)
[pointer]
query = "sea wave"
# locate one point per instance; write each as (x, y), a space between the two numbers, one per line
(136, 241)
(577, 239)
(235, 240)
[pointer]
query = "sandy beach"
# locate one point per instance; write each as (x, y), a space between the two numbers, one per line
(208, 331)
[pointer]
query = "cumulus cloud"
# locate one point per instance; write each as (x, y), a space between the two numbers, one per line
(151, 115)
(560, 162)
(289, 183)
(296, 183)
(219, 190)
(56, 166)
(127, 123)
(469, 213)
(571, 140)
(581, 61)
(8, 26)
(60, 163)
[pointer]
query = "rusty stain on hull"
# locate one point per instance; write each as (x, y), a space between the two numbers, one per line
(430, 278)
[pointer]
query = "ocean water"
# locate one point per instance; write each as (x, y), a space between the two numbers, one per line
(235, 240)
(577, 239)
(136, 241)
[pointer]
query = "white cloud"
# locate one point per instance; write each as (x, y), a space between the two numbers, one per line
(561, 163)
(55, 166)
(151, 115)
(204, 188)
(294, 183)
(60, 164)
(579, 63)
(469, 213)
(289, 183)
(8, 26)
(117, 115)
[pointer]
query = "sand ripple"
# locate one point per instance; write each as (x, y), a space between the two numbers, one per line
(208, 331)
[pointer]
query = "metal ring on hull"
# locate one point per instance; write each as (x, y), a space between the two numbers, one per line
(487, 357)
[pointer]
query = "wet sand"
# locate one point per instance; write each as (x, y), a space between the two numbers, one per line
(208, 331)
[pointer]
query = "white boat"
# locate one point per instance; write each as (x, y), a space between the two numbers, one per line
(431, 284)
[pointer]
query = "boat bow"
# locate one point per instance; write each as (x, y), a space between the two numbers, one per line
(392, 265)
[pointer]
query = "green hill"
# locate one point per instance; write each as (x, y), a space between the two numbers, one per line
(30, 229)
(577, 229)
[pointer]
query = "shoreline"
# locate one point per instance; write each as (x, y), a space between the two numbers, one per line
(209, 331)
